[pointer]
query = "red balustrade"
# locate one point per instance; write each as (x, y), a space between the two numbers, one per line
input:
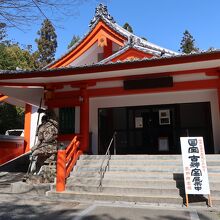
(66, 159)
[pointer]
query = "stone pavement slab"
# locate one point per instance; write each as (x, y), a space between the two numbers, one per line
(142, 212)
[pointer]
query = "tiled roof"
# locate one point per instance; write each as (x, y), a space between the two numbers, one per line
(137, 47)
(194, 54)
(101, 13)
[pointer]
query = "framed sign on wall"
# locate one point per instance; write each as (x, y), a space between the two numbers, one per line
(138, 122)
(164, 117)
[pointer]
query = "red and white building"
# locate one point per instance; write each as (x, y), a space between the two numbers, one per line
(112, 80)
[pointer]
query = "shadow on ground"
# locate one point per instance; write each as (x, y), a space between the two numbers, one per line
(34, 211)
(193, 199)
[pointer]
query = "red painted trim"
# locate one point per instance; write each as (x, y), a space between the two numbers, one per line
(67, 94)
(178, 86)
(67, 137)
(132, 53)
(3, 97)
(10, 149)
(213, 73)
(81, 84)
(53, 87)
(108, 49)
(64, 102)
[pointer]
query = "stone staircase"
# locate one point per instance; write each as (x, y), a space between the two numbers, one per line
(154, 179)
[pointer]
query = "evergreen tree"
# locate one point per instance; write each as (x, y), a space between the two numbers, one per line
(2, 31)
(128, 27)
(47, 43)
(11, 117)
(13, 57)
(187, 44)
(74, 40)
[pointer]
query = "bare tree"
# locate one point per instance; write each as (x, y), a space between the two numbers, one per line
(18, 13)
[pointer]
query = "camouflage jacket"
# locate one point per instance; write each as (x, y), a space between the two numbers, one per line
(47, 137)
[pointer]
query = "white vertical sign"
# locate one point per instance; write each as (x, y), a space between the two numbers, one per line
(194, 165)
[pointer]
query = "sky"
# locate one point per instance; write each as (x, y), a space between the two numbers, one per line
(160, 21)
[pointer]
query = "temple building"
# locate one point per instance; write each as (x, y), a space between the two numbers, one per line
(112, 80)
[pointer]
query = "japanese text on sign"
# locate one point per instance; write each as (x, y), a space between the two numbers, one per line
(194, 165)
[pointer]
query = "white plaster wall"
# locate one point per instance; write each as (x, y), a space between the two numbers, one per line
(34, 117)
(156, 99)
(89, 57)
(192, 77)
(108, 84)
(115, 47)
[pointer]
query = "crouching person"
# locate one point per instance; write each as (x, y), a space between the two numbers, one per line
(43, 157)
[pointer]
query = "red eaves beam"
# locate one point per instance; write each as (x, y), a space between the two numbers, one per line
(71, 98)
(65, 99)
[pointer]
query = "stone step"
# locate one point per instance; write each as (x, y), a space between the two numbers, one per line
(157, 200)
(152, 168)
(132, 157)
(138, 175)
(98, 163)
(145, 157)
(162, 183)
(132, 191)
(135, 190)
(89, 196)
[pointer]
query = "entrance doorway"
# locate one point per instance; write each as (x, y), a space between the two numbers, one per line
(154, 129)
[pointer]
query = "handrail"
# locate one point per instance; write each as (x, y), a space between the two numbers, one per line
(66, 159)
(103, 168)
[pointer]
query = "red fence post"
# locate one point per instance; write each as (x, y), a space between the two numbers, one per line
(61, 169)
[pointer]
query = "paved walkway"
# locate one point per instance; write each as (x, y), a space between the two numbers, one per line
(26, 206)
(22, 207)
(122, 211)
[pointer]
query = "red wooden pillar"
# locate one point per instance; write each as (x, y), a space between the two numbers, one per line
(27, 127)
(84, 121)
(61, 169)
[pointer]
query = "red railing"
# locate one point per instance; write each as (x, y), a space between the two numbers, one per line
(66, 159)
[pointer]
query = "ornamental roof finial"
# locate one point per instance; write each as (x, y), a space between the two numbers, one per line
(101, 11)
